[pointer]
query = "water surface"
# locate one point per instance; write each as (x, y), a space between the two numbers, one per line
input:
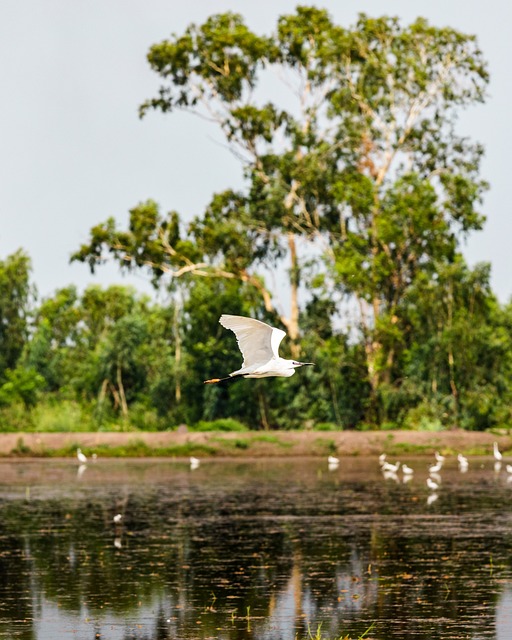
(262, 549)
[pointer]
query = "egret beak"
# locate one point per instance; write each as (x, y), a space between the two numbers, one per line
(305, 364)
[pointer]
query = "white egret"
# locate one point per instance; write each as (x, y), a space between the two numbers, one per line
(432, 498)
(259, 344)
(194, 463)
(509, 468)
(332, 463)
(497, 453)
(82, 458)
(117, 518)
(393, 468)
(435, 468)
(406, 470)
(382, 459)
(439, 457)
(433, 486)
(463, 463)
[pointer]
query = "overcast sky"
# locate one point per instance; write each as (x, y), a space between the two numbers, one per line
(73, 150)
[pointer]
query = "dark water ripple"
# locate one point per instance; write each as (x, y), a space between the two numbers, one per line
(253, 549)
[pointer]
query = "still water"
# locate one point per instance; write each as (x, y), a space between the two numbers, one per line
(261, 549)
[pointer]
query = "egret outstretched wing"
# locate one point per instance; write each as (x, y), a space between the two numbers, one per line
(257, 341)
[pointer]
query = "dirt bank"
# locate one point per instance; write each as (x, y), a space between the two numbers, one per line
(259, 443)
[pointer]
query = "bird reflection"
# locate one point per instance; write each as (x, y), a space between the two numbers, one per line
(332, 463)
(432, 498)
(81, 470)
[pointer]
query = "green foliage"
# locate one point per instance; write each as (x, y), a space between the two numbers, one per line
(225, 424)
(358, 193)
(21, 385)
(15, 295)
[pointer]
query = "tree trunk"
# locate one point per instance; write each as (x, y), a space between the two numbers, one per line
(177, 355)
(122, 396)
(292, 323)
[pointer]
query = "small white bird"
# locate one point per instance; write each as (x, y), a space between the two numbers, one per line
(259, 344)
(463, 463)
(333, 460)
(382, 459)
(82, 459)
(406, 470)
(433, 486)
(194, 462)
(439, 457)
(117, 518)
(509, 468)
(435, 468)
(393, 468)
(497, 453)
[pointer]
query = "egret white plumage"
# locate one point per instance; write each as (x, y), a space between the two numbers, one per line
(433, 486)
(463, 462)
(406, 470)
(393, 468)
(82, 458)
(259, 344)
(194, 462)
(498, 456)
(332, 463)
(439, 457)
(382, 459)
(509, 468)
(435, 468)
(117, 518)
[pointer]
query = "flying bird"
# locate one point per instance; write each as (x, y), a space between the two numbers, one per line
(259, 344)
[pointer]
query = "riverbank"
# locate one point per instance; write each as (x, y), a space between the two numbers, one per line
(251, 443)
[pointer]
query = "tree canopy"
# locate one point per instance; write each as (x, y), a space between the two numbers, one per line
(358, 192)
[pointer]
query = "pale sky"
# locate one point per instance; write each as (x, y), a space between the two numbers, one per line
(74, 152)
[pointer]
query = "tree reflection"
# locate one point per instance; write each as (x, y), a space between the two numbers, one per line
(188, 567)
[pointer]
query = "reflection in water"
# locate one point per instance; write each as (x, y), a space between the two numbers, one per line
(253, 549)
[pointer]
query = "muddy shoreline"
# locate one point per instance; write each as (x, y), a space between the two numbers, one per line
(252, 443)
